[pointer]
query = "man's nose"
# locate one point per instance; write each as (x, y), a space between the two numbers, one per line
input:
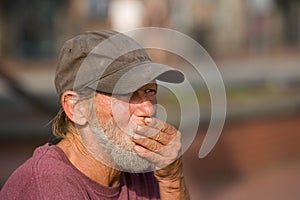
(146, 108)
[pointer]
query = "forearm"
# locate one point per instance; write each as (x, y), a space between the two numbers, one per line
(173, 190)
(171, 182)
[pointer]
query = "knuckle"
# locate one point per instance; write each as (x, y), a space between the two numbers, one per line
(169, 129)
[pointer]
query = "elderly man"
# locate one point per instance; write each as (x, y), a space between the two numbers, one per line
(112, 146)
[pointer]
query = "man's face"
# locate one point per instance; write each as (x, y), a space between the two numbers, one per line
(127, 110)
(113, 123)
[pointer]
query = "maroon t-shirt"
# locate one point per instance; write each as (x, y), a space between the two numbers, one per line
(48, 174)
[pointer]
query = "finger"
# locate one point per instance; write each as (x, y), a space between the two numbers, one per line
(157, 159)
(154, 134)
(160, 125)
(170, 149)
(148, 143)
(163, 136)
(154, 123)
(146, 131)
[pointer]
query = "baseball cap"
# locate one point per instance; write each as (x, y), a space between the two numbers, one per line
(110, 62)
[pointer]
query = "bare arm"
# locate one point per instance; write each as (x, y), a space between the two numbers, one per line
(171, 182)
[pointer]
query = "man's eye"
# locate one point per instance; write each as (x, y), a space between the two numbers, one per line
(150, 91)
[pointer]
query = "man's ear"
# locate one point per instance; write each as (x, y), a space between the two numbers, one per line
(69, 102)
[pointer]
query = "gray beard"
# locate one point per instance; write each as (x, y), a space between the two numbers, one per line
(109, 140)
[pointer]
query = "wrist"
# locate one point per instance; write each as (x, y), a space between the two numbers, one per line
(173, 189)
(170, 173)
(171, 181)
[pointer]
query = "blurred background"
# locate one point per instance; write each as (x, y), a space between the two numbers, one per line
(255, 44)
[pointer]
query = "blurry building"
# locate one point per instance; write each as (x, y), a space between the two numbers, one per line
(290, 13)
(229, 26)
(38, 29)
(27, 30)
(125, 15)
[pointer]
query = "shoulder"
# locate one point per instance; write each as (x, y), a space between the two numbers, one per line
(56, 177)
(46, 175)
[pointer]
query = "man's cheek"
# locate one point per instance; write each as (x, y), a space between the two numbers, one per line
(121, 114)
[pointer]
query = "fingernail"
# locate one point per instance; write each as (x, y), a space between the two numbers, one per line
(138, 148)
(130, 132)
(148, 120)
(136, 136)
(138, 128)
(140, 123)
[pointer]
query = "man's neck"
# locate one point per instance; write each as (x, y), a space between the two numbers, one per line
(86, 163)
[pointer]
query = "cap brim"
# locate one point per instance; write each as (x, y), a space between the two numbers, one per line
(129, 79)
